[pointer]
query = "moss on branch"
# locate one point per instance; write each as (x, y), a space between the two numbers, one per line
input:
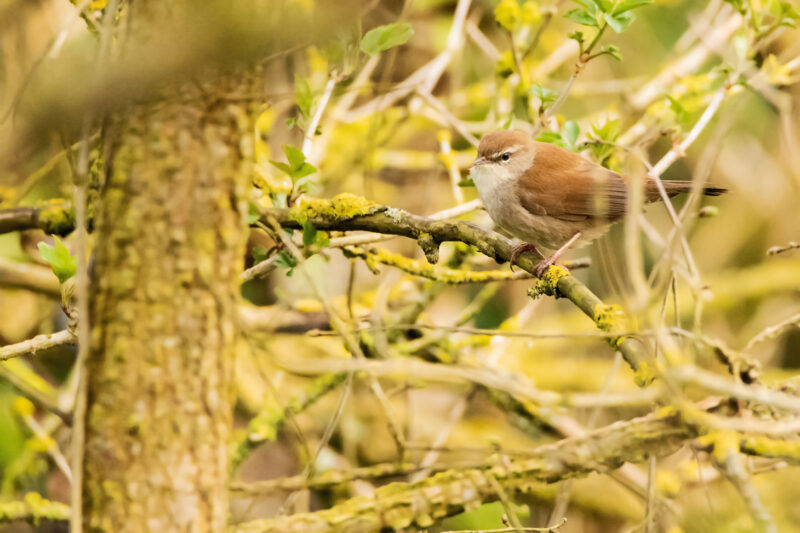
(55, 216)
(377, 256)
(420, 504)
(33, 509)
(348, 212)
(352, 213)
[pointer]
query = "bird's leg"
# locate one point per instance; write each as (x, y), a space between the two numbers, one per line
(524, 247)
(553, 259)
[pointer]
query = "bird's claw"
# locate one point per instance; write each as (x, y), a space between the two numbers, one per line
(540, 269)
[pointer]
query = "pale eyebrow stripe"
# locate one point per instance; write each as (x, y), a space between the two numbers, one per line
(509, 150)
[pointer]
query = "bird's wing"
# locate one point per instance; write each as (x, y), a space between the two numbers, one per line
(568, 187)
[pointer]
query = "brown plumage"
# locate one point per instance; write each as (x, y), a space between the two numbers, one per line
(590, 190)
(551, 197)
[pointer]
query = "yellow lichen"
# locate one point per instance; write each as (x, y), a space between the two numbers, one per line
(722, 444)
(7, 194)
(667, 411)
(667, 483)
(644, 374)
(308, 305)
(767, 447)
(23, 406)
(377, 256)
(56, 216)
(548, 283)
(343, 206)
(609, 318)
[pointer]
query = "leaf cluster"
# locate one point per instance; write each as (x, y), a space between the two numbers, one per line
(596, 13)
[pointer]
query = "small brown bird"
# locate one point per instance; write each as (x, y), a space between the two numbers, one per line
(550, 197)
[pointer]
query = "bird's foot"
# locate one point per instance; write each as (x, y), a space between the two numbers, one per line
(546, 263)
(553, 259)
(520, 248)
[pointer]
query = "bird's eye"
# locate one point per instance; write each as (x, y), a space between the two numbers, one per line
(505, 157)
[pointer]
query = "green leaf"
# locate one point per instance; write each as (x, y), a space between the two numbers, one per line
(259, 254)
(620, 23)
(544, 94)
(466, 182)
(297, 167)
(305, 170)
(580, 16)
(627, 5)
(286, 260)
(609, 131)
(322, 239)
(612, 51)
(589, 5)
(682, 116)
(64, 265)
(252, 214)
(304, 185)
(552, 137)
(296, 157)
(286, 169)
(309, 233)
(385, 37)
(571, 132)
(577, 36)
(605, 6)
(302, 96)
(738, 4)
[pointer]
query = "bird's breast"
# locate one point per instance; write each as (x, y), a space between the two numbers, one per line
(498, 193)
(497, 190)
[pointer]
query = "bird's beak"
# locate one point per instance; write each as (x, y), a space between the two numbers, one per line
(479, 161)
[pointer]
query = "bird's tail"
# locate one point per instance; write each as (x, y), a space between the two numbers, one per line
(676, 187)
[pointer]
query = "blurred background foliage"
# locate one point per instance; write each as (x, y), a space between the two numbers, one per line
(392, 114)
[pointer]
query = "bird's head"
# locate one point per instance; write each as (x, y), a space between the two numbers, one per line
(504, 153)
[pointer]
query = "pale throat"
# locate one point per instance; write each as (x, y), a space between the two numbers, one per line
(500, 178)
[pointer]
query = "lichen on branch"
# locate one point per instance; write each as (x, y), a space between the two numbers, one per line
(353, 213)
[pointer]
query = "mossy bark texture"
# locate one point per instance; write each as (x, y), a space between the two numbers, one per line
(165, 283)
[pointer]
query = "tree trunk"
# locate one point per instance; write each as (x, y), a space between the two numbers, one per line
(170, 240)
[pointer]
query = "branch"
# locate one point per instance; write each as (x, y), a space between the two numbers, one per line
(323, 481)
(347, 212)
(33, 509)
(52, 216)
(451, 276)
(279, 319)
(265, 425)
(29, 276)
(400, 505)
(491, 378)
(37, 343)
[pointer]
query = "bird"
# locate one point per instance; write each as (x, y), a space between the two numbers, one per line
(551, 198)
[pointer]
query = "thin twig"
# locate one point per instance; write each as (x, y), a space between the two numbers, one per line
(513, 384)
(773, 331)
(52, 447)
(82, 287)
(311, 129)
(37, 343)
(738, 475)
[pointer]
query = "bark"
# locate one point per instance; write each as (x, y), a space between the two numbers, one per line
(170, 238)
